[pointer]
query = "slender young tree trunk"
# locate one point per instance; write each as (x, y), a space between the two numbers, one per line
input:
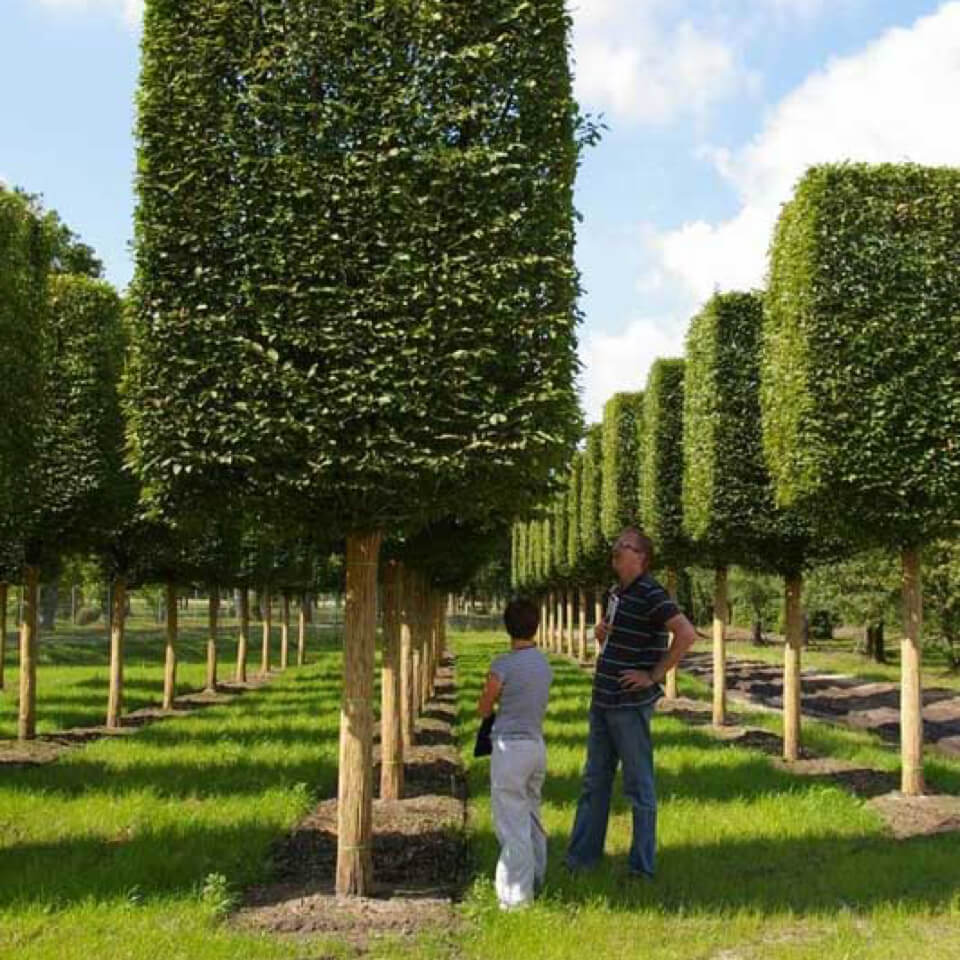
(27, 721)
(407, 708)
(302, 631)
(3, 632)
(426, 680)
(170, 666)
(793, 617)
(243, 637)
(582, 625)
(543, 623)
(213, 619)
(569, 625)
(671, 677)
(597, 617)
(719, 647)
(117, 629)
(911, 695)
(267, 615)
(391, 693)
(355, 793)
(284, 631)
(558, 621)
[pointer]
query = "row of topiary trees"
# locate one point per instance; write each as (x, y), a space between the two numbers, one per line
(807, 422)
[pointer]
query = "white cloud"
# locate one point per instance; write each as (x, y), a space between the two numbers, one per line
(621, 361)
(894, 101)
(637, 61)
(130, 10)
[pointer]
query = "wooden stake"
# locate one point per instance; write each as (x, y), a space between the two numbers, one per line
(793, 617)
(302, 631)
(911, 694)
(243, 636)
(117, 629)
(27, 720)
(670, 688)
(407, 704)
(355, 793)
(719, 647)
(3, 631)
(170, 664)
(284, 631)
(391, 718)
(267, 603)
(213, 621)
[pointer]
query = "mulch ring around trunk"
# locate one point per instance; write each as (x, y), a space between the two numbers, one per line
(904, 816)
(419, 850)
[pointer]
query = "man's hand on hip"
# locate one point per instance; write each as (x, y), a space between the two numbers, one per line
(635, 679)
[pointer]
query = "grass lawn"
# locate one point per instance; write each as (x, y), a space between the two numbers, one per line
(754, 863)
(73, 667)
(133, 848)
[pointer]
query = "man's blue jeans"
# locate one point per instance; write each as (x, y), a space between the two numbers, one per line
(619, 735)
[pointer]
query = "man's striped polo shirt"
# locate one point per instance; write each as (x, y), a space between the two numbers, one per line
(637, 640)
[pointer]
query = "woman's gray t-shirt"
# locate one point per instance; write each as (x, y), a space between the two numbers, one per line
(526, 677)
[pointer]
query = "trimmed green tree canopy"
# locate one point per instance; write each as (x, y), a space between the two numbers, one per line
(728, 506)
(574, 510)
(78, 484)
(355, 289)
(861, 380)
(661, 483)
(559, 535)
(25, 251)
(592, 544)
(622, 420)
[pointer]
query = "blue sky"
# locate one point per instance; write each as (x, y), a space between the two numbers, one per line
(715, 107)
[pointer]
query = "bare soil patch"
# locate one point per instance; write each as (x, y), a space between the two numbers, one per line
(419, 850)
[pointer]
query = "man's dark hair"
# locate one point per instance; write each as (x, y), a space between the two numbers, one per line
(521, 618)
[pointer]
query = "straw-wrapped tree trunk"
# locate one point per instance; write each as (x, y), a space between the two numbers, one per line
(118, 617)
(170, 650)
(29, 623)
(391, 713)
(243, 634)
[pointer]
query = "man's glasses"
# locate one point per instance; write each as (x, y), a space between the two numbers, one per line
(620, 547)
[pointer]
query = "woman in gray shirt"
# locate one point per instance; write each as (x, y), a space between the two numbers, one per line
(520, 681)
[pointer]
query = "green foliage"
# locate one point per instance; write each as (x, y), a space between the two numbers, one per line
(661, 480)
(728, 508)
(941, 595)
(574, 511)
(861, 382)
(559, 534)
(25, 254)
(516, 557)
(622, 426)
(355, 289)
(534, 553)
(78, 481)
(592, 543)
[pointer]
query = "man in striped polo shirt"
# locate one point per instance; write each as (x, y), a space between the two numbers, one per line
(635, 657)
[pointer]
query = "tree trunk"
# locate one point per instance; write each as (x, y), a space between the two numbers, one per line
(569, 625)
(355, 793)
(243, 636)
(27, 722)
(543, 623)
(597, 618)
(3, 632)
(582, 625)
(213, 619)
(170, 667)
(302, 617)
(879, 649)
(911, 701)
(670, 681)
(117, 628)
(793, 618)
(266, 602)
(73, 605)
(719, 647)
(407, 709)
(284, 631)
(391, 713)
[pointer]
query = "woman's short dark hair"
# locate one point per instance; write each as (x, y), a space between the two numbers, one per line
(521, 618)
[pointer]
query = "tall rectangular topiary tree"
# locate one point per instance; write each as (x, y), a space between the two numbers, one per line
(373, 210)
(622, 427)
(661, 474)
(861, 380)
